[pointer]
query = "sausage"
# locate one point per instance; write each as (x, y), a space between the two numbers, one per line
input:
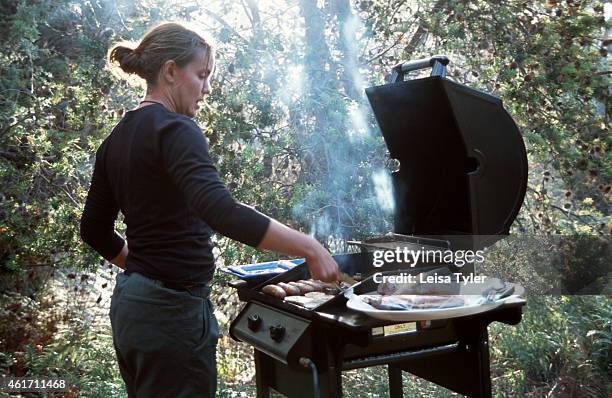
(327, 288)
(316, 286)
(304, 287)
(274, 290)
(289, 289)
(324, 284)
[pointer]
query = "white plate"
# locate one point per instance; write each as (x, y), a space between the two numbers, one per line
(472, 306)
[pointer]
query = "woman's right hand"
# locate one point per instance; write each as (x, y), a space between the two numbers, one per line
(283, 239)
(321, 264)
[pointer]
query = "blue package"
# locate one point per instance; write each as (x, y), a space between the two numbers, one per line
(262, 270)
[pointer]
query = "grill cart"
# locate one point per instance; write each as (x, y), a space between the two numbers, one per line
(460, 185)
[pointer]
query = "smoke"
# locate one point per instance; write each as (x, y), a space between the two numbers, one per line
(350, 30)
(353, 196)
(383, 186)
(294, 84)
(360, 127)
(321, 226)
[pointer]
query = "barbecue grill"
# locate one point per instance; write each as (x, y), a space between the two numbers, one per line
(461, 182)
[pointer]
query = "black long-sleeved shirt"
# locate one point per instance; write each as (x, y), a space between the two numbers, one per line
(156, 169)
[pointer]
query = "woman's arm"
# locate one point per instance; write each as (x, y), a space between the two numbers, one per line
(99, 215)
(282, 239)
(187, 162)
(119, 260)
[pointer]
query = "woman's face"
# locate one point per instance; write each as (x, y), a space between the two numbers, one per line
(193, 83)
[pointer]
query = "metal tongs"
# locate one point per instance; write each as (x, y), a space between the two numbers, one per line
(344, 278)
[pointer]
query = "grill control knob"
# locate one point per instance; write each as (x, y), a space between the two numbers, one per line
(254, 322)
(277, 332)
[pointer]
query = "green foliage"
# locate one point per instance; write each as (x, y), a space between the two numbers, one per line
(298, 159)
(41, 338)
(84, 358)
(546, 63)
(569, 339)
(284, 134)
(52, 116)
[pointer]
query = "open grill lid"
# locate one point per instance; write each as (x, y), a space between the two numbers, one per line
(463, 164)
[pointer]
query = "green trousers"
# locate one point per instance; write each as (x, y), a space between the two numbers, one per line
(165, 339)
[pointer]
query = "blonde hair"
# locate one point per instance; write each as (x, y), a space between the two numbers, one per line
(169, 41)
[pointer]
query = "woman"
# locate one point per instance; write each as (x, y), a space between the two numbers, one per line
(156, 169)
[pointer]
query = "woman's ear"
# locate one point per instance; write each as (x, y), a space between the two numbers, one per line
(168, 71)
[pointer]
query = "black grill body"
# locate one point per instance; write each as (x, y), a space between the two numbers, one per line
(452, 353)
(463, 173)
(463, 164)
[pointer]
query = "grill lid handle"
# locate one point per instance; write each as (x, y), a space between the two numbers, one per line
(437, 63)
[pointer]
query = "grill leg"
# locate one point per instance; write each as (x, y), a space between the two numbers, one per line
(395, 382)
(334, 384)
(272, 375)
(465, 370)
(261, 377)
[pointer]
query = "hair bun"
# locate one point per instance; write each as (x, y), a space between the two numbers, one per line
(129, 59)
(169, 41)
